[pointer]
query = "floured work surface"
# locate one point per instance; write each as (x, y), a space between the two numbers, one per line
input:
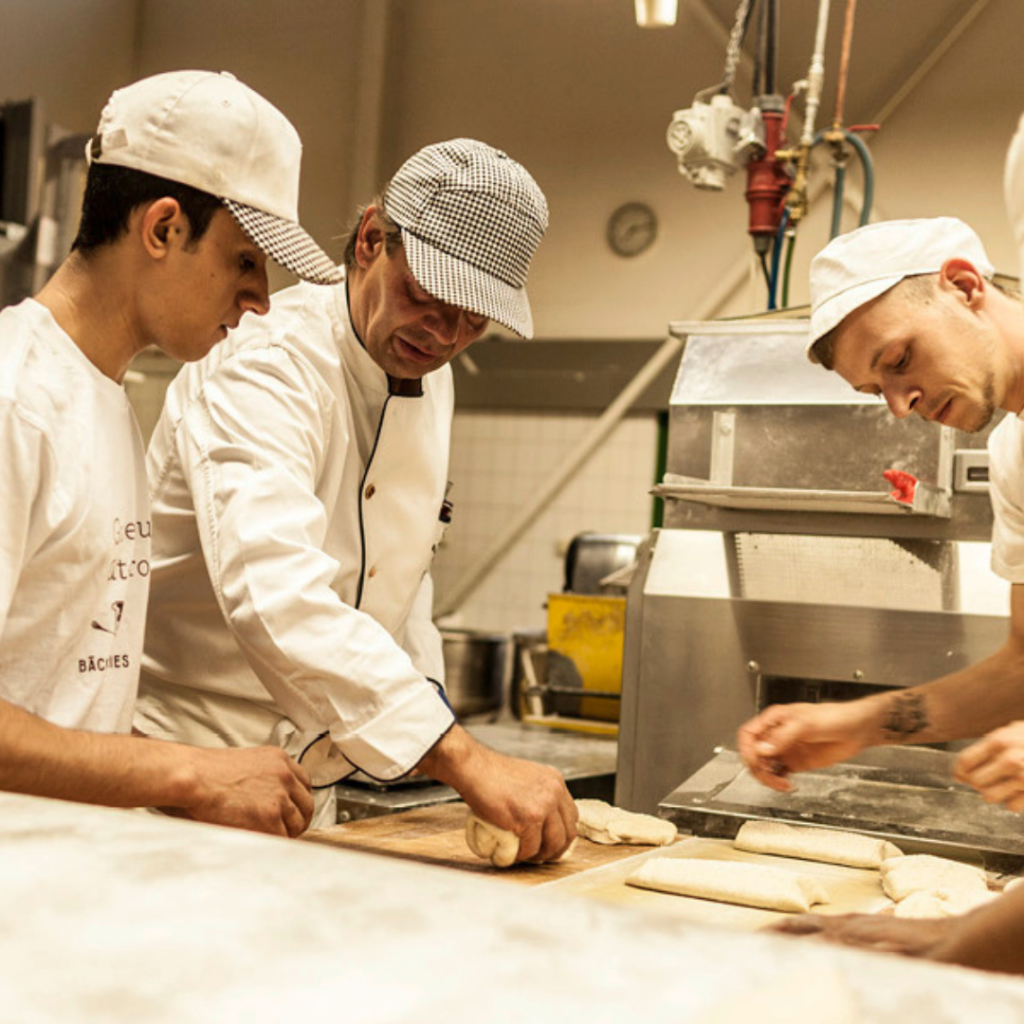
(850, 890)
(904, 794)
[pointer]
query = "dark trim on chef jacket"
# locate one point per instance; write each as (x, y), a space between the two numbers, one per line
(401, 389)
(370, 775)
(412, 388)
(362, 488)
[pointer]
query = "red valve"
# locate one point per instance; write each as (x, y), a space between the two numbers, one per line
(767, 185)
(903, 484)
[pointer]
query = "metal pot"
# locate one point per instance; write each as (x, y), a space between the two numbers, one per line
(592, 556)
(476, 668)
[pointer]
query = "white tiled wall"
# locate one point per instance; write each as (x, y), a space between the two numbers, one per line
(498, 461)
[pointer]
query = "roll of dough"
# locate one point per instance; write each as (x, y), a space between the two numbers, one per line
(809, 843)
(498, 845)
(921, 872)
(749, 885)
(602, 823)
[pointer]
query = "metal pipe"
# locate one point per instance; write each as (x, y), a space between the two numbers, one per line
(815, 74)
(844, 64)
(863, 202)
(796, 200)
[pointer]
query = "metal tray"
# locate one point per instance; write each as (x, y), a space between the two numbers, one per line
(928, 501)
(904, 794)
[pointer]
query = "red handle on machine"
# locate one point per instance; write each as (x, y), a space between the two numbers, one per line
(903, 485)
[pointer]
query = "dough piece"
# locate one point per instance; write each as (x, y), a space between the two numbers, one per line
(749, 885)
(602, 823)
(921, 872)
(941, 904)
(809, 843)
(498, 845)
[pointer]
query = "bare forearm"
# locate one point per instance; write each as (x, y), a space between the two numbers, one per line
(990, 938)
(258, 788)
(447, 759)
(962, 705)
(43, 759)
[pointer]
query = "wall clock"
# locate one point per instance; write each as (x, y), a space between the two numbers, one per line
(631, 229)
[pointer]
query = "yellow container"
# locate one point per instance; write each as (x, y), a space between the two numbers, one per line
(585, 639)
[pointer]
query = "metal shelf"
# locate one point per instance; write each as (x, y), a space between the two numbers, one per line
(928, 500)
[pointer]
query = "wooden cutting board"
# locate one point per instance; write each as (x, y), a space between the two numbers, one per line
(436, 835)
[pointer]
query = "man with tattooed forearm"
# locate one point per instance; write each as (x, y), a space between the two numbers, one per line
(907, 310)
(788, 738)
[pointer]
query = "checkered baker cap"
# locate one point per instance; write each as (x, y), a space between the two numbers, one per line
(471, 219)
(286, 242)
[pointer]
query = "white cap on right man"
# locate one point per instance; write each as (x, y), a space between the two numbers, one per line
(210, 131)
(857, 267)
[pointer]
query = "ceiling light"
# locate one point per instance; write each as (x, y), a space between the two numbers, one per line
(655, 13)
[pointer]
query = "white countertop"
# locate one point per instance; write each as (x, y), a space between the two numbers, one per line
(126, 916)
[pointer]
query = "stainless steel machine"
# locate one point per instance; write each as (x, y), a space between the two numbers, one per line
(786, 570)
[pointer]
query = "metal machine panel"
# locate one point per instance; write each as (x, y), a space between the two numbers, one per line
(807, 447)
(753, 362)
(696, 667)
(861, 645)
(750, 414)
(677, 650)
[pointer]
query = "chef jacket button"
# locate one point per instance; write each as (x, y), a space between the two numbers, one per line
(370, 491)
(372, 572)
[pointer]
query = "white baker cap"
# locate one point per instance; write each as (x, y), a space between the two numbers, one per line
(857, 267)
(214, 133)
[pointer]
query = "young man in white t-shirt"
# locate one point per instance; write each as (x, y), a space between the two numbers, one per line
(192, 184)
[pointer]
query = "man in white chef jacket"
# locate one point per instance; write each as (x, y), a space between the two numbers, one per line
(299, 478)
(193, 182)
(907, 310)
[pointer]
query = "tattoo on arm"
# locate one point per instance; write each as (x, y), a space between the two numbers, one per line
(906, 715)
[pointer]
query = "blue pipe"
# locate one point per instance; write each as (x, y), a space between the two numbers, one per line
(776, 251)
(869, 180)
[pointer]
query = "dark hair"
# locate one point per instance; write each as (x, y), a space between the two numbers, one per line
(112, 192)
(392, 232)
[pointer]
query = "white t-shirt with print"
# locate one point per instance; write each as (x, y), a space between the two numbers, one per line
(74, 530)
